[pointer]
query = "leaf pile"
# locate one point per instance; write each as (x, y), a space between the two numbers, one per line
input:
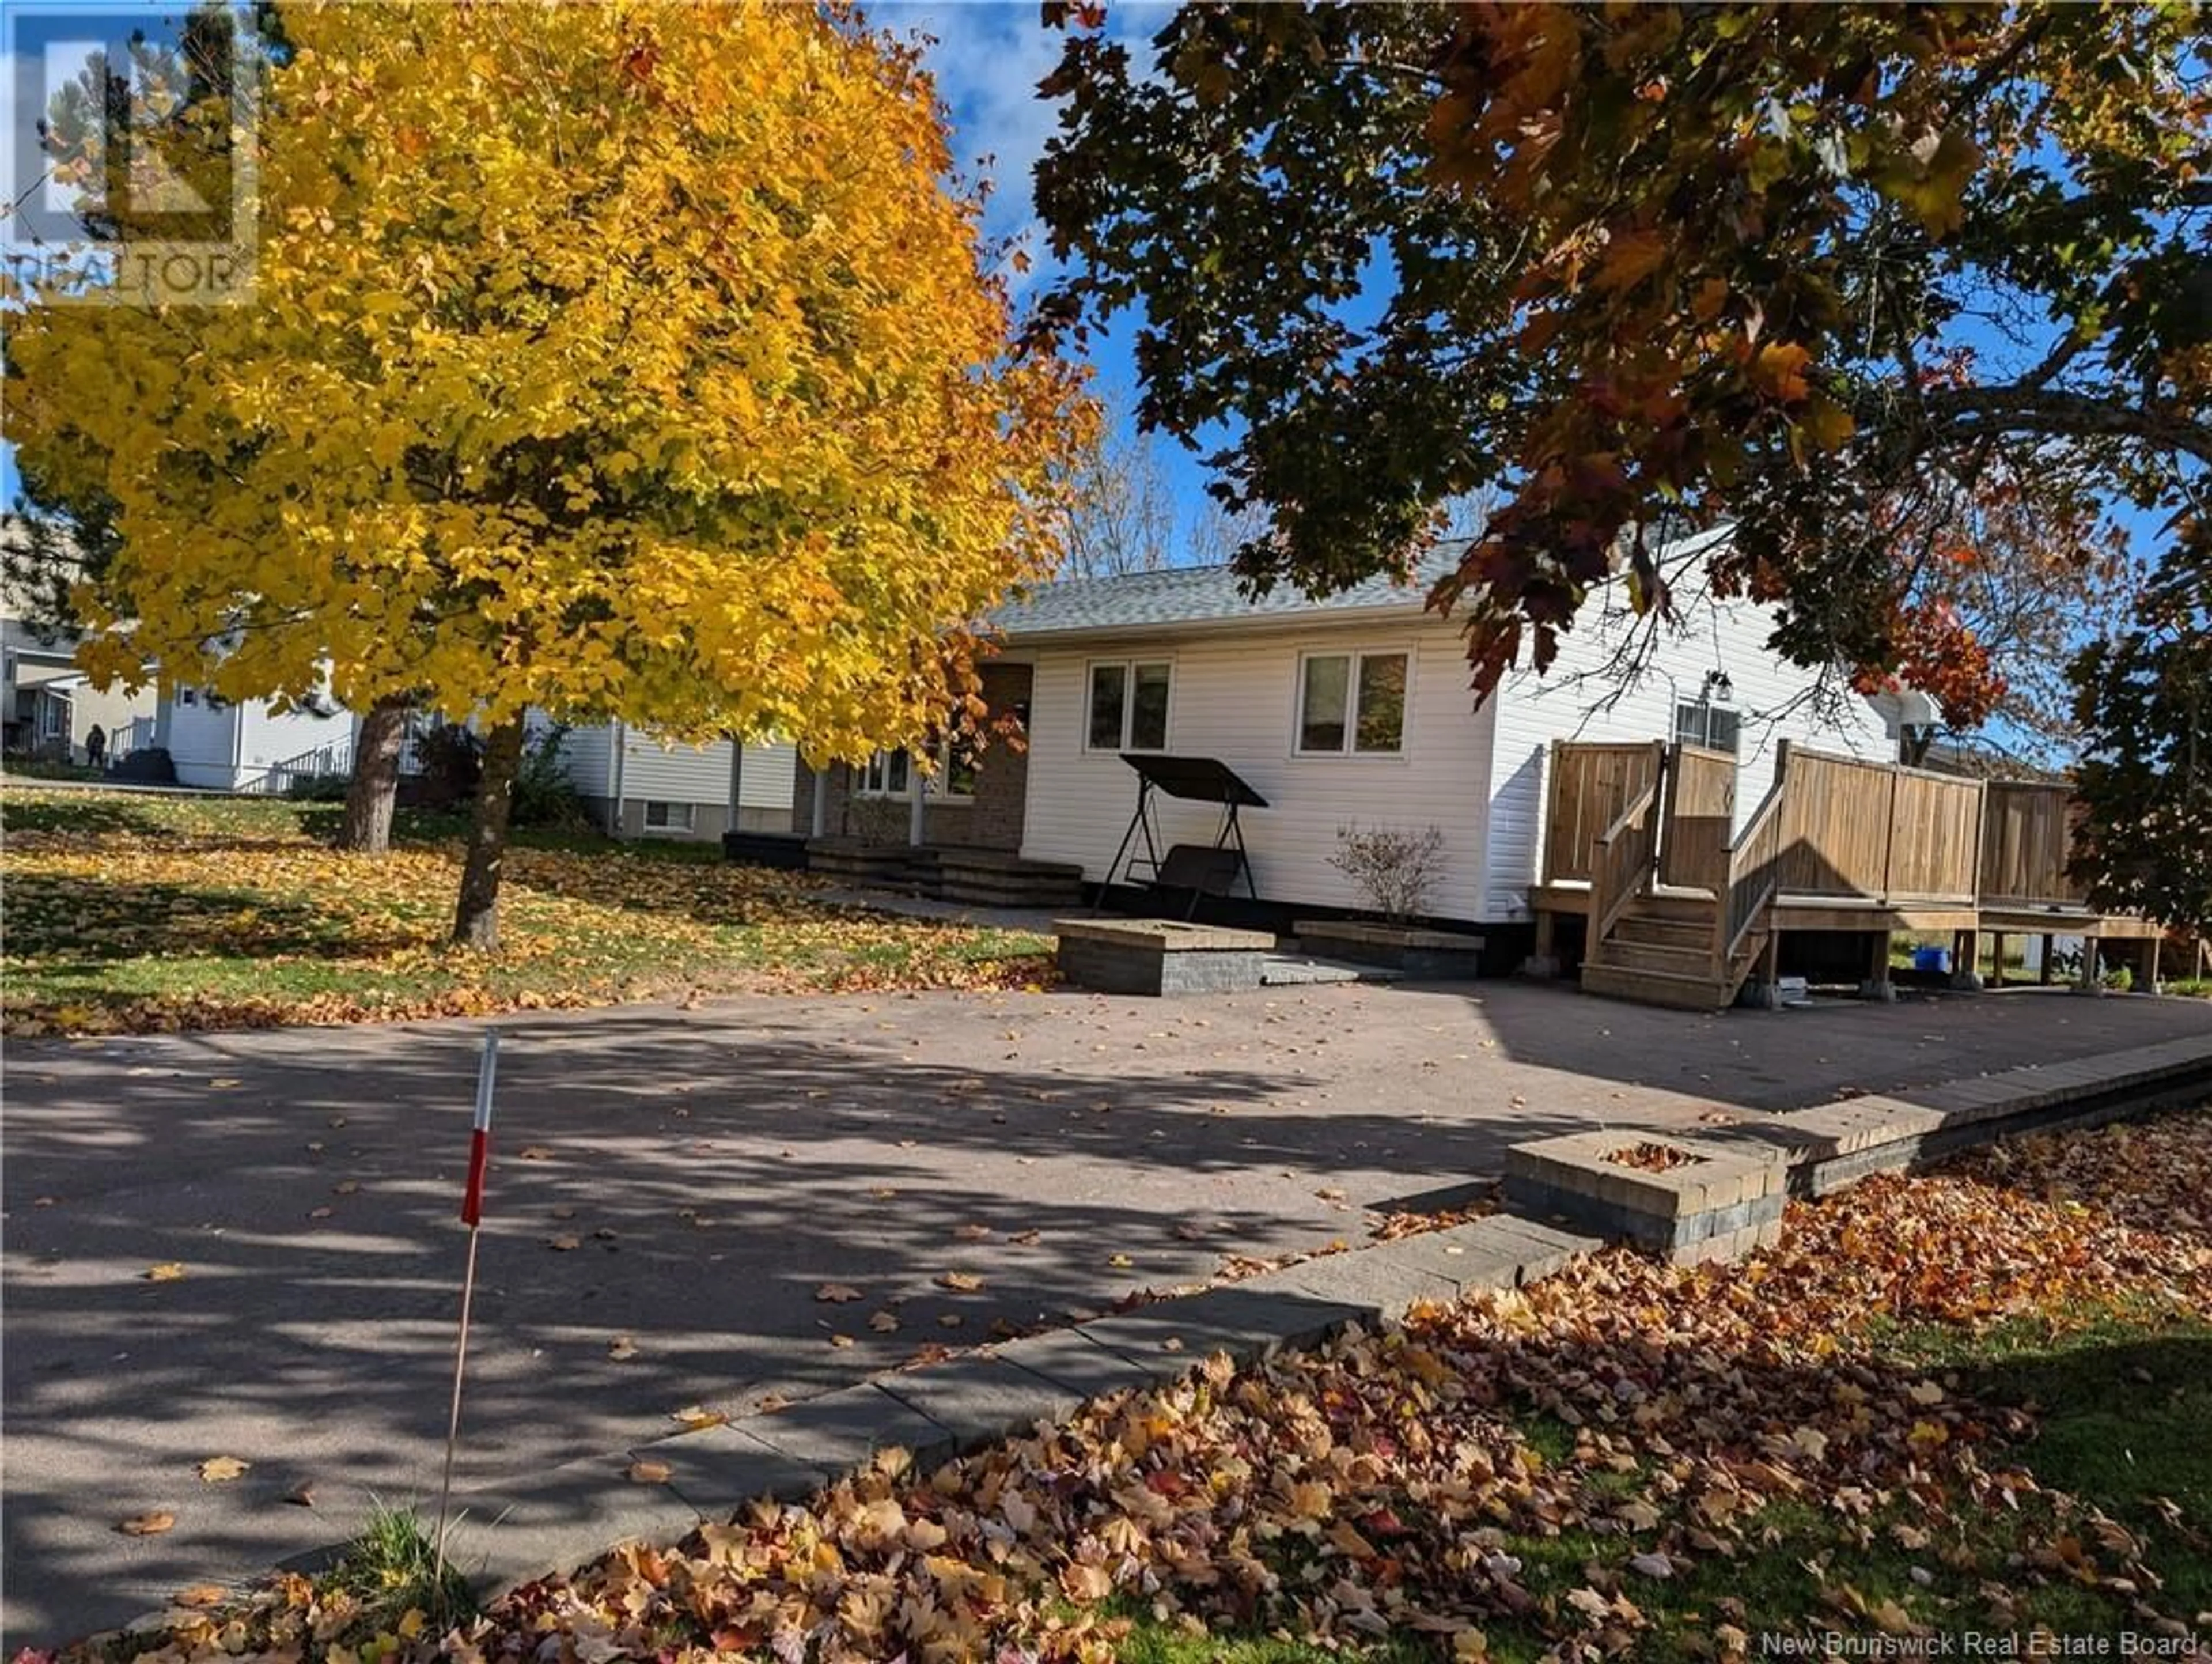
(137, 914)
(1566, 1464)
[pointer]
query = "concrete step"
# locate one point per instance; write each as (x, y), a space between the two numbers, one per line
(1683, 993)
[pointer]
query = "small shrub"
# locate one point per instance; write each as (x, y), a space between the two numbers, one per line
(318, 788)
(453, 762)
(2120, 979)
(1395, 869)
(544, 795)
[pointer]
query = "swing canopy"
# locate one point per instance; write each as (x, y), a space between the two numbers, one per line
(1198, 779)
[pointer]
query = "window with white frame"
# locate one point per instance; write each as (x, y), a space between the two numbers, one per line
(1128, 709)
(892, 774)
(1352, 704)
(671, 817)
(1702, 722)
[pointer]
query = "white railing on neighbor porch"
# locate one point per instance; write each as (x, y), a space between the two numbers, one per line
(326, 762)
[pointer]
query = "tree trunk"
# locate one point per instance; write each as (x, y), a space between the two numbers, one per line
(476, 921)
(367, 828)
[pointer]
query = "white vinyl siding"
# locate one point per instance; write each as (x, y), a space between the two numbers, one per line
(1235, 696)
(680, 773)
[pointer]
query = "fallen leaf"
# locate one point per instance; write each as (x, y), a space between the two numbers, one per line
(841, 1342)
(973, 1233)
(168, 1271)
(563, 1244)
(201, 1595)
(301, 1495)
(217, 1469)
(621, 1349)
(147, 1525)
(961, 1281)
(883, 1323)
(836, 1294)
(533, 1152)
(649, 1473)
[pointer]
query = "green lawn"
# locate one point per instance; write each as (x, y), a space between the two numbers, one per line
(129, 912)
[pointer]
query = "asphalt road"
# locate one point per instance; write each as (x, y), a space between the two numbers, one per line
(671, 1188)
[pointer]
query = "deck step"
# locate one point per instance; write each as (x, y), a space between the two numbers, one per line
(1664, 931)
(1684, 993)
(1672, 904)
(1654, 956)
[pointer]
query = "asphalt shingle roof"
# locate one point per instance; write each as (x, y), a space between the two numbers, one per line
(1195, 594)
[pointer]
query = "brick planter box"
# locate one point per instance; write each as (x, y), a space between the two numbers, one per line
(1711, 1202)
(1159, 956)
(1441, 955)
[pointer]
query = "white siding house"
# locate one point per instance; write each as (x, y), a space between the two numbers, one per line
(639, 786)
(1273, 689)
(243, 745)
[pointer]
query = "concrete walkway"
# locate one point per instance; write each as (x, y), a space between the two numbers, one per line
(673, 1188)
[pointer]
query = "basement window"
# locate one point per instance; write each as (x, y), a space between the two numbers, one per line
(671, 817)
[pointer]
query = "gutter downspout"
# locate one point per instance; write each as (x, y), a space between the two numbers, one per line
(737, 782)
(619, 735)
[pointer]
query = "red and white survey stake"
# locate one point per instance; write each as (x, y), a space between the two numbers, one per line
(480, 1140)
(471, 1216)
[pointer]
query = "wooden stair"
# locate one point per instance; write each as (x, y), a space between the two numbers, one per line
(1659, 952)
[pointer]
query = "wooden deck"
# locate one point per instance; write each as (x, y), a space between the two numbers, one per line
(1682, 908)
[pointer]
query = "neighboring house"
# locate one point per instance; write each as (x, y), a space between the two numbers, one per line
(245, 744)
(1354, 711)
(49, 708)
(636, 786)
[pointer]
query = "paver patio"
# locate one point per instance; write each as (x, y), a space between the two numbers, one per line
(715, 1168)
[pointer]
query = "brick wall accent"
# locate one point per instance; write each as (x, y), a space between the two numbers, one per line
(991, 819)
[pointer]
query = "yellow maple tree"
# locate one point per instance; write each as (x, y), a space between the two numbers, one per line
(631, 360)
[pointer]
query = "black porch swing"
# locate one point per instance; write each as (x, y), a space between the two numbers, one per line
(1198, 869)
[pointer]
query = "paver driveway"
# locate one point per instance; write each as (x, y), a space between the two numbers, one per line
(715, 1168)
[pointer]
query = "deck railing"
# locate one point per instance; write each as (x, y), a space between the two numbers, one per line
(1854, 830)
(1588, 786)
(2027, 836)
(1753, 875)
(1627, 854)
(1833, 828)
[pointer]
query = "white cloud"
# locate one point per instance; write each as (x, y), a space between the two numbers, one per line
(987, 59)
